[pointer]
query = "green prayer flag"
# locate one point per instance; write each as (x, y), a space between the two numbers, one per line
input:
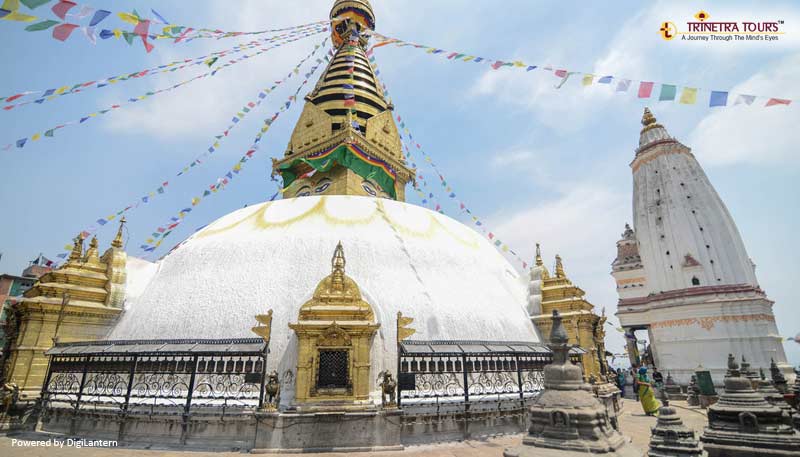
(44, 25)
(667, 92)
(33, 4)
(49, 133)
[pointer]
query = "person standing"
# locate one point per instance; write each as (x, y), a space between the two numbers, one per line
(646, 394)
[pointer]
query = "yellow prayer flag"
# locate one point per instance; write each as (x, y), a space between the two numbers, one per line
(195, 201)
(117, 33)
(216, 144)
(587, 80)
(148, 241)
(111, 217)
(689, 96)
(468, 58)
(35, 137)
(19, 17)
(152, 194)
(519, 64)
(159, 243)
(67, 247)
(61, 90)
(237, 167)
(505, 248)
(129, 18)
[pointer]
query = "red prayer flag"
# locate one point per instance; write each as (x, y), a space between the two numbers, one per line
(60, 9)
(645, 89)
(141, 30)
(63, 31)
(497, 65)
(777, 101)
(14, 97)
(561, 73)
(491, 235)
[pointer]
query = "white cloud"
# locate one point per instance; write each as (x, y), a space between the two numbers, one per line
(209, 103)
(754, 134)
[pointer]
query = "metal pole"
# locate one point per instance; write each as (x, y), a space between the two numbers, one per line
(191, 386)
(263, 378)
(399, 391)
(131, 375)
(519, 378)
(83, 382)
(466, 396)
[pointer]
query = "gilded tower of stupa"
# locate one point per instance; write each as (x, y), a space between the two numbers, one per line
(346, 141)
(79, 301)
(584, 327)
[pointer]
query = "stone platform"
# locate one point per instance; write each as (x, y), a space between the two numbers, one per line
(632, 420)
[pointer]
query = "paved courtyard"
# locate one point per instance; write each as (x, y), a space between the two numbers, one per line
(633, 422)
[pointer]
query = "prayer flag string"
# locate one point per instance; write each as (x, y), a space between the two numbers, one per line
(159, 234)
(162, 188)
(42, 96)
(689, 95)
(72, 15)
(49, 133)
(435, 204)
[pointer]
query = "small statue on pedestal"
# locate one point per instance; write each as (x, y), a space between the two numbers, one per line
(273, 389)
(388, 386)
(10, 395)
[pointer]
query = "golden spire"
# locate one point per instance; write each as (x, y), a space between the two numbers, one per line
(559, 268)
(77, 248)
(539, 262)
(649, 121)
(337, 266)
(91, 253)
(117, 243)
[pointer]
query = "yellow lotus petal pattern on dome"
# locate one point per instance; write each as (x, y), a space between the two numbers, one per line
(308, 208)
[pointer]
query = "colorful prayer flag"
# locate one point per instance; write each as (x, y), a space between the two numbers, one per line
(746, 99)
(718, 98)
(587, 80)
(689, 96)
(623, 85)
(667, 92)
(44, 25)
(61, 8)
(605, 80)
(777, 101)
(63, 31)
(645, 89)
(98, 17)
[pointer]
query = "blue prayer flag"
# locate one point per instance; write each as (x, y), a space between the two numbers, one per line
(605, 80)
(98, 17)
(102, 221)
(718, 98)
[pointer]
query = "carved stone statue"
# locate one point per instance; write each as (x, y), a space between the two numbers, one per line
(388, 386)
(10, 395)
(273, 389)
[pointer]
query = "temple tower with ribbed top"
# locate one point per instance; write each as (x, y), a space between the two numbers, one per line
(346, 141)
(683, 273)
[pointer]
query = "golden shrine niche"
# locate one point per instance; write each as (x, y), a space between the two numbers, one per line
(334, 339)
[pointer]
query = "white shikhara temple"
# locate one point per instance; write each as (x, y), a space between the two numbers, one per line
(683, 272)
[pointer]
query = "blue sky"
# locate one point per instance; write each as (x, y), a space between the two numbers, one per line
(536, 163)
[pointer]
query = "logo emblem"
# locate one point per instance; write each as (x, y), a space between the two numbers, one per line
(668, 30)
(701, 16)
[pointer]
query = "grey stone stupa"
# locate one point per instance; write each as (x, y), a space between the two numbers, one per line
(743, 424)
(670, 438)
(772, 395)
(566, 420)
(693, 392)
(778, 379)
(673, 389)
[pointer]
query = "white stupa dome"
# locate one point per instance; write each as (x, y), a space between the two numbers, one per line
(403, 257)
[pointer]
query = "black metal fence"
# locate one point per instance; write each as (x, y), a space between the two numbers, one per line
(156, 375)
(459, 370)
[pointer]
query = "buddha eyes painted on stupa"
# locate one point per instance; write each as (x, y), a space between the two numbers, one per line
(369, 188)
(322, 185)
(304, 191)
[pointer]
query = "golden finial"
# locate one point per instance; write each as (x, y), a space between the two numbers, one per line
(559, 268)
(91, 253)
(648, 120)
(539, 262)
(337, 265)
(117, 243)
(77, 248)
